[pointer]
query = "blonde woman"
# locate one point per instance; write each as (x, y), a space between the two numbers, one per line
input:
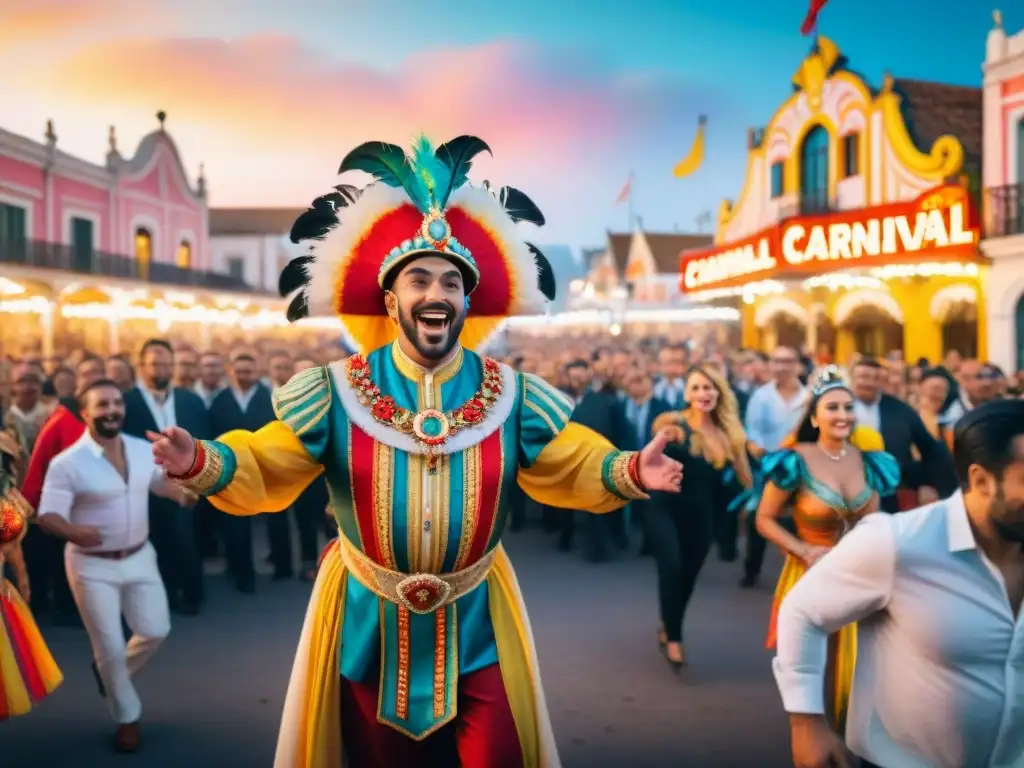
(708, 439)
(833, 473)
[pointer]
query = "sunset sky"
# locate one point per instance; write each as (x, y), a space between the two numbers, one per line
(571, 95)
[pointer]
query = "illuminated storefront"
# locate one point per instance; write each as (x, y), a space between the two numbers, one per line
(855, 231)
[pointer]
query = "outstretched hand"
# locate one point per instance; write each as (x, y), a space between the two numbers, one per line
(174, 449)
(657, 471)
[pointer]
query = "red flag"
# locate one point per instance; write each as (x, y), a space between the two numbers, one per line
(626, 191)
(811, 19)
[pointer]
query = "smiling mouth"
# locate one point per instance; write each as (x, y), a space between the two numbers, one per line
(433, 320)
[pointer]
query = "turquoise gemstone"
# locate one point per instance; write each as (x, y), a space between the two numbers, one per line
(437, 229)
(431, 426)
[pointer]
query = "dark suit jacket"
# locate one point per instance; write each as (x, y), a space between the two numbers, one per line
(189, 413)
(657, 407)
(225, 415)
(903, 429)
(601, 411)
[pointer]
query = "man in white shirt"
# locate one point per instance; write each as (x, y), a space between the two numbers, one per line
(937, 593)
(773, 413)
(96, 497)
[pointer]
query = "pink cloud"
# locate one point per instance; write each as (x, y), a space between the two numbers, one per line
(270, 91)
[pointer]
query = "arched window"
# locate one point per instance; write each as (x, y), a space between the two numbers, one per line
(814, 171)
(184, 256)
(143, 250)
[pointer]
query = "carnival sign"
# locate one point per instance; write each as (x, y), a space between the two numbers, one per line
(938, 226)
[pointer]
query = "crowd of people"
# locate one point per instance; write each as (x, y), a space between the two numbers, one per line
(760, 436)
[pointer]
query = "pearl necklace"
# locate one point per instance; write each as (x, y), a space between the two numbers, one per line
(835, 457)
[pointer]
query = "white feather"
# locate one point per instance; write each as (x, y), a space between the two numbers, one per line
(333, 252)
(484, 207)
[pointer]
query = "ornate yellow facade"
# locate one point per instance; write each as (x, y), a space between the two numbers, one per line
(838, 148)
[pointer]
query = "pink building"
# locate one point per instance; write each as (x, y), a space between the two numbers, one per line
(57, 211)
(1003, 180)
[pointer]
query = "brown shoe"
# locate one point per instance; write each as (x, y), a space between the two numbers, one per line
(127, 738)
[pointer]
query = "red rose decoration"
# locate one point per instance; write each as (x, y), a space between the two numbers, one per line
(475, 404)
(471, 415)
(384, 409)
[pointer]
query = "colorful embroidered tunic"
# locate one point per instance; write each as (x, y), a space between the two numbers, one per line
(397, 518)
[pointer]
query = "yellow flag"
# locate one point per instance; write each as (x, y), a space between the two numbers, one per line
(692, 162)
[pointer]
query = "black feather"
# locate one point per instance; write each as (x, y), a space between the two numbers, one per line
(299, 308)
(293, 276)
(520, 207)
(317, 221)
(385, 162)
(348, 192)
(545, 274)
(458, 155)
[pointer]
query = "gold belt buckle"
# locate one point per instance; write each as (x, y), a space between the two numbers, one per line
(423, 592)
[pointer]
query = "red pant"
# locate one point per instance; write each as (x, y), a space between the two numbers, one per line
(483, 734)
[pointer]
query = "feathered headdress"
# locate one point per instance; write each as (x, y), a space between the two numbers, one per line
(418, 205)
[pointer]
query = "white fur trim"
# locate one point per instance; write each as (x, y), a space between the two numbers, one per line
(333, 252)
(483, 206)
(465, 438)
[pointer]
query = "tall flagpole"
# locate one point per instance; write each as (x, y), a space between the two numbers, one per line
(629, 201)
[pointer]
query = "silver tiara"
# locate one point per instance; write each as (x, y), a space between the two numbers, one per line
(831, 377)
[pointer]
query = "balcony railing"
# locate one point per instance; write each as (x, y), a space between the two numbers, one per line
(66, 258)
(808, 205)
(1004, 213)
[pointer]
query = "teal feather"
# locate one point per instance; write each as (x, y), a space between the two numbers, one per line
(385, 162)
(458, 155)
(431, 173)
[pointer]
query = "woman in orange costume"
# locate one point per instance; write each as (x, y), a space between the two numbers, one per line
(833, 473)
(28, 673)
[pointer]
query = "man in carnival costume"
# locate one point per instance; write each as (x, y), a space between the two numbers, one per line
(416, 620)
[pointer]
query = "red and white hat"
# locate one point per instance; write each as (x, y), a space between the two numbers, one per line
(419, 204)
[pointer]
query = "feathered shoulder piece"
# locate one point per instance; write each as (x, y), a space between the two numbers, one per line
(419, 203)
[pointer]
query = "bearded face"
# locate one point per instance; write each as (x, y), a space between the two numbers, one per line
(428, 299)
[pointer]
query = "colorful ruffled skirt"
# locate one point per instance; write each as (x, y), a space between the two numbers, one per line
(28, 673)
(842, 649)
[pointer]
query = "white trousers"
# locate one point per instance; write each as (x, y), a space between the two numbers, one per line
(103, 590)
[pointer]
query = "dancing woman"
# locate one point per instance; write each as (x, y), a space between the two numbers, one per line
(834, 474)
(707, 438)
(28, 673)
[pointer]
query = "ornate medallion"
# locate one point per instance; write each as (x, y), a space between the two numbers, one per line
(423, 592)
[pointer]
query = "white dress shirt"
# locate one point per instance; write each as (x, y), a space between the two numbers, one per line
(207, 394)
(84, 488)
(939, 680)
(163, 412)
(771, 418)
(243, 398)
(869, 414)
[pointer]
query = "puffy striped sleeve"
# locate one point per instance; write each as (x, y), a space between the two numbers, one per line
(245, 473)
(881, 471)
(564, 464)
